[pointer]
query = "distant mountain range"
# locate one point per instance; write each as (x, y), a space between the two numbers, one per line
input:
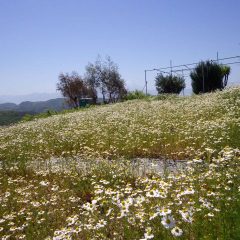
(57, 104)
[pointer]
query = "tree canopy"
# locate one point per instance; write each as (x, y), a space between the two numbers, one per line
(169, 84)
(103, 76)
(73, 87)
(209, 76)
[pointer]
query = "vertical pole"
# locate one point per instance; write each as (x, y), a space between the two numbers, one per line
(146, 80)
(171, 66)
(184, 80)
(217, 57)
(203, 77)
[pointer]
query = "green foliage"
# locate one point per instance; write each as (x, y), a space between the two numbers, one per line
(73, 87)
(226, 70)
(27, 117)
(103, 76)
(209, 76)
(135, 95)
(9, 117)
(30, 117)
(169, 84)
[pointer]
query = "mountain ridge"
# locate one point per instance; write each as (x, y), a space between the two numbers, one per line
(56, 104)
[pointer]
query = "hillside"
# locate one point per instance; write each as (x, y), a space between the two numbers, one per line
(68, 177)
(35, 107)
(10, 117)
(12, 113)
(178, 128)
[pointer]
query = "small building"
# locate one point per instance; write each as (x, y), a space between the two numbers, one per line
(84, 102)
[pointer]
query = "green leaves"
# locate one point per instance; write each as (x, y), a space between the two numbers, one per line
(169, 84)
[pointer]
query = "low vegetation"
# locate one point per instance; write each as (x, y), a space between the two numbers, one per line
(97, 195)
(136, 95)
(10, 117)
(177, 127)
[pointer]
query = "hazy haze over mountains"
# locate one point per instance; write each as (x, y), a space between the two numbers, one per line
(33, 97)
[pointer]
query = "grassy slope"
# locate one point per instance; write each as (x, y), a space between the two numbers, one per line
(177, 127)
(107, 201)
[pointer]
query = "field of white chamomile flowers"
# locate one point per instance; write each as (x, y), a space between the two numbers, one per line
(108, 200)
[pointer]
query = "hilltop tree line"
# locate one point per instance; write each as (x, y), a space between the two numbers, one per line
(103, 78)
(207, 76)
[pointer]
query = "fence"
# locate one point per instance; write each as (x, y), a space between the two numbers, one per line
(181, 69)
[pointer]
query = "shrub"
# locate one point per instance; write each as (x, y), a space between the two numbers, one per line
(169, 84)
(135, 95)
(209, 76)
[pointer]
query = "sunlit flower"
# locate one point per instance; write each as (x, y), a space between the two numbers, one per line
(177, 232)
(44, 183)
(148, 234)
(168, 221)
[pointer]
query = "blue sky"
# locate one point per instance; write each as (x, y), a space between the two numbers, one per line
(40, 39)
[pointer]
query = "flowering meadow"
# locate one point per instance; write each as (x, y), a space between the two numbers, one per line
(106, 199)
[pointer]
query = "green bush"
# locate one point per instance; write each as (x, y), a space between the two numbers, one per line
(209, 76)
(169, 84)
(136, 95)
(27, 117)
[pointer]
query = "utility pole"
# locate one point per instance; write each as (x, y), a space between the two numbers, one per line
(203, 77)
(183, 78)
(171, 66)
(146, 80)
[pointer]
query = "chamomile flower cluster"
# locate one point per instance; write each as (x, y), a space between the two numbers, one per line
(109, 202)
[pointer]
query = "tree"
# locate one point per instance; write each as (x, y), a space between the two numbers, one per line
(104, 76)
(92, 80)
(115, 87)
(169, 84)
(73, 87)
(225, 74)
(209, 76)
